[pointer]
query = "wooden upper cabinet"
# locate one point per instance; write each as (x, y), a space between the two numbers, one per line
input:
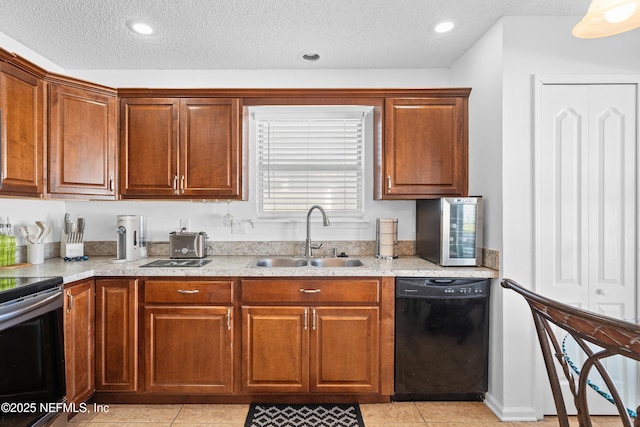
(425, 147)
(21, 132)
(82, 142)
(210, 152)
(180, 148)
(148, 147)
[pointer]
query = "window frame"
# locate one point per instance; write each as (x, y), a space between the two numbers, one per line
(256, 113)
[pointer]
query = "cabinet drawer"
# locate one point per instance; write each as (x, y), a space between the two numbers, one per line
(311, 291)
(188, 291)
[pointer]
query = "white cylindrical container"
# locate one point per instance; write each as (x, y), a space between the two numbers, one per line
(35, 253)
(387, 238)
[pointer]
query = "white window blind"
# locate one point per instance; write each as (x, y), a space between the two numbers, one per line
(308, 159)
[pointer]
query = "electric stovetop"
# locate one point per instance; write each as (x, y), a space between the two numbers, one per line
(12, 288)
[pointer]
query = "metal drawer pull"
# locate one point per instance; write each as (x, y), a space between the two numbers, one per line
(193, 291)
(310, 291)
(313, 319)
(306, 321)
(71, 301)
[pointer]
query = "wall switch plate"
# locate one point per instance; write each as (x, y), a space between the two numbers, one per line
(185, 224)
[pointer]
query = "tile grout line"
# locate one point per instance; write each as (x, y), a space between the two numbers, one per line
(177, 415)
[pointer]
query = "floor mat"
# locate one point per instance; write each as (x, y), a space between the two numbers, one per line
(309, 415)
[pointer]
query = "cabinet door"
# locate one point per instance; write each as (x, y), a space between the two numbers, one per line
(425, 148)
(82, 142)
(21, 132)
(149, 147)
(79, 333)
(116, 334)
(344, 350)
(275, 355)
(210, 148)
(188, 349)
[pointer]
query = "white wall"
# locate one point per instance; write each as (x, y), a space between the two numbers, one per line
(481, 69)
(538, 46)
(309, 78)
(529, 46)
(11, 45)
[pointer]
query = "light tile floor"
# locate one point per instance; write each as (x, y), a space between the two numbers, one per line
(396, 414)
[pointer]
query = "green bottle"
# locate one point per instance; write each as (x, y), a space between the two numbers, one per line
(11, 244)
(3, 244)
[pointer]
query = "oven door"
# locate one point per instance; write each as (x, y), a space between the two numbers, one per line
(32, 387)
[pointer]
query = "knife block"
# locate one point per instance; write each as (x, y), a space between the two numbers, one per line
(70, 250)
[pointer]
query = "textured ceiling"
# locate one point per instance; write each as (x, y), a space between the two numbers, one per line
(259, 34)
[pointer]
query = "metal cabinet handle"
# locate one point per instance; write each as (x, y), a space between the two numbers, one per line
(601, 292)
(175, 184)
(389, 182)
(228, 318)
(111, 184)
(313, 319)
(310, 291)
(192, 291)
(306, 321)
(182, 184)
(71, 303)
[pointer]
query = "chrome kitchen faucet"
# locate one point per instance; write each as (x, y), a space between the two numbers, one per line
(325, 222)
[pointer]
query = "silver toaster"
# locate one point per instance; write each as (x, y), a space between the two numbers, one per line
(187, 245)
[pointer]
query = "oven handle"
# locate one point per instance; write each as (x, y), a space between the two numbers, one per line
(24, 307)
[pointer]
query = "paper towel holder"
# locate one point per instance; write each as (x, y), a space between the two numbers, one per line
(387, 238)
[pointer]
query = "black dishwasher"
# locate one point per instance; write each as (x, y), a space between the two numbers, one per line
(441, 338)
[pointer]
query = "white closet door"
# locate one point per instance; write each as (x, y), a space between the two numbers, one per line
(586, 187)
(612, 200)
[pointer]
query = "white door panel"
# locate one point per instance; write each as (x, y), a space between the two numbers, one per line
(562, 195)
(613, 197)
(586, 200)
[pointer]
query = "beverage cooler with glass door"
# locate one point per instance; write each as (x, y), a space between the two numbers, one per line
(449, 230)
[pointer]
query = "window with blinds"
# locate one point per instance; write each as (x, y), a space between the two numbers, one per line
(308, 158)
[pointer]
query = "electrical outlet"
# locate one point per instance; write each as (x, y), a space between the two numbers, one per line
(185, 224)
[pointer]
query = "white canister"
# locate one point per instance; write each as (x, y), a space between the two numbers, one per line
(35, 253)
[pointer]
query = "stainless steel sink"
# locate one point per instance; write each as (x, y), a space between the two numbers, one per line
(278, 262)
(285, 261)
(335, 262)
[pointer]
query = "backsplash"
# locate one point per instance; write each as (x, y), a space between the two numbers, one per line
(491, 258)
(349, 247)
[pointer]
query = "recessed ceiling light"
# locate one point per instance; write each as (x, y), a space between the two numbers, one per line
(140, 27)
(311, 56)
(444, 26)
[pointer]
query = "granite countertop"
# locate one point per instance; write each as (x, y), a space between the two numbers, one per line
(238, 266)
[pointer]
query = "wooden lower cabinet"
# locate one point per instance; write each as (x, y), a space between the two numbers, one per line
(232, 340)
(188, 349)
(79, 332)
(310, 349)
(311, 335)
(344, 351)
(188, 336)
(275, 349)
(116, 335)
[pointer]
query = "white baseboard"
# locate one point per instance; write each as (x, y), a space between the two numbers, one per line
(509, 414)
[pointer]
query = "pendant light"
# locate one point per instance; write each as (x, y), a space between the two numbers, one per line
(607, 18)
